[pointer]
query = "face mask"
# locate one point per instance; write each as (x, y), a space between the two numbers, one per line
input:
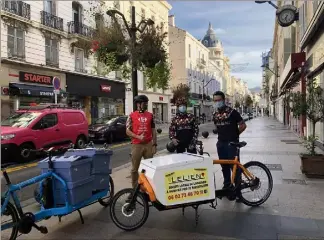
(182, 109)
(219, 104)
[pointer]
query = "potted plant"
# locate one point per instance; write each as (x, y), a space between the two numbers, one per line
(312, 106)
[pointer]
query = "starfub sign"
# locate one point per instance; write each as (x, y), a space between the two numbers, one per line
(35, 78)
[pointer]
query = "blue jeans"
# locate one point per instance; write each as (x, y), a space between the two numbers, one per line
(227, 152)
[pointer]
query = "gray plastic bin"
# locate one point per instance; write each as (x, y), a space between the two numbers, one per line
(100, 158)
(71, 169)
(77, 191)
(101, 181)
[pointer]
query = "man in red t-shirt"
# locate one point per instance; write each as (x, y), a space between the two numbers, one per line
(140, 127)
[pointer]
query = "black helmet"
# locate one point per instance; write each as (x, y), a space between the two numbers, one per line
(170, 147)
(141, 98)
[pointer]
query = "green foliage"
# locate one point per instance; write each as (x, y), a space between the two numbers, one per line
(158, 76)
(311, 105)
(237, 104)
(180, 91)
(248, 101)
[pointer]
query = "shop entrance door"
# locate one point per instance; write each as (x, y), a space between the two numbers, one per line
(94, 109)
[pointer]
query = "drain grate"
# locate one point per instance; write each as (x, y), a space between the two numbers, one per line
(274, 167)
(295, 181)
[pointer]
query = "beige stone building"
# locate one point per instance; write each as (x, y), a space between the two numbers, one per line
(297, 53)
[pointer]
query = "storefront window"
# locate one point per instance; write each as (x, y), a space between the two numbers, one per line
(26, 101)
(110, 107)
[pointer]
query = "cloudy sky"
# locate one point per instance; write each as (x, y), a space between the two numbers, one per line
(244, 27)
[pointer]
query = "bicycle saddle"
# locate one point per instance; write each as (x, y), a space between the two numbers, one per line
(5, 165)
(238, 144)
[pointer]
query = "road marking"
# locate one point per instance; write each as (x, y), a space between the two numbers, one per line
(34, 164)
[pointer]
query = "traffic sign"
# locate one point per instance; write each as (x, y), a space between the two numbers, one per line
(56, 83)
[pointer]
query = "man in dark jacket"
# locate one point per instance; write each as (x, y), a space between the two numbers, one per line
(184, 129)
(229, 125)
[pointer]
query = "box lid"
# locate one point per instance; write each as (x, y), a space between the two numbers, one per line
(168, 161)
(65, 161)
(88, 152)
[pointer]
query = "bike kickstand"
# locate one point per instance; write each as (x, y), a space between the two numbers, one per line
(60, 218)
(81, 217)
(196, 214)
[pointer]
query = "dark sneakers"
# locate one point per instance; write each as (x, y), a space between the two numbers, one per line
(234, 196)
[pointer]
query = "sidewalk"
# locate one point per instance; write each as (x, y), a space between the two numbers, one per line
(294, 210)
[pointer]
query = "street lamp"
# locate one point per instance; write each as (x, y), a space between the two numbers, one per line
(132, 34)
(203, 91)
(272, 4)
(267, 67)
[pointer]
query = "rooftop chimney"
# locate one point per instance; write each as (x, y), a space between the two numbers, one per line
(171, 21)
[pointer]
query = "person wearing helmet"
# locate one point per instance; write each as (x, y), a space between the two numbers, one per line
(184, 129)
(229, 125)
(140, 127)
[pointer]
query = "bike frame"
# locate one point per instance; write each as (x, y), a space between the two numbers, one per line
(44, 213)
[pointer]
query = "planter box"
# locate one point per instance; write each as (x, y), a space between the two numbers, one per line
(312, 166)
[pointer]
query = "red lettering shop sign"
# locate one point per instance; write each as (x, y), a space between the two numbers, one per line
(35, 78)
(105, 88)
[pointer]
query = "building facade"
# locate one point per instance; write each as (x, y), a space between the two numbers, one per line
(297, 54)
(43, 40)
(191, 65)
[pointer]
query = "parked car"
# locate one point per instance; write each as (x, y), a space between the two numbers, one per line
(250, 115)
(108, 129)
(41, 126)
(245, 117)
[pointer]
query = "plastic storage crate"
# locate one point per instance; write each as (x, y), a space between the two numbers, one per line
(100, 158)
(100, 182)
(71, 169)
(77, 192)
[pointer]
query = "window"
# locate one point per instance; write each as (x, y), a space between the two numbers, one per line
(199, 89)
(143, 13)
(144, 82)
(117, 5)
(195, 87)
(48, 121)
(16, 44)
(77, 12)
(99, 19)
(51, 52)
(50, 6)
(79, 54)
(189, 50)
(130, 9)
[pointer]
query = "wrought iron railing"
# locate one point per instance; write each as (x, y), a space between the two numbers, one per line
(19, 8)
(75, 27)
(51, 20)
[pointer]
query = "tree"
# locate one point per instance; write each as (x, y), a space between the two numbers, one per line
(237, 104)
(248, 101)
(311, 105)
(181, 90)
(111, 46)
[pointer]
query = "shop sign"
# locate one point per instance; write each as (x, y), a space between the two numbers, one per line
(161, 98)
(47, 94)
(35, 78)
(105, 88)
(4, 91)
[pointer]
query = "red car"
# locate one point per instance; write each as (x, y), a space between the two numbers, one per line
(41, 126)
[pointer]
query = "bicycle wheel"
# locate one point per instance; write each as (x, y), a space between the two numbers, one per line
(256, 185)
(106, 201)
(128, 220)
(9, 213)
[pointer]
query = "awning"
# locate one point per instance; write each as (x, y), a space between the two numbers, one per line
(193, 102)
(30, 90)
(292, 72)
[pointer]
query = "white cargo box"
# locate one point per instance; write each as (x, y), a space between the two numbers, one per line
(180, 178)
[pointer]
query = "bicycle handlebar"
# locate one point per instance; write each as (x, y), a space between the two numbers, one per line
(49, 151)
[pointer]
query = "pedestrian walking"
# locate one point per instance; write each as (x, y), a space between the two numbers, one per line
(140, 127)
(229, 125)
(184, 129)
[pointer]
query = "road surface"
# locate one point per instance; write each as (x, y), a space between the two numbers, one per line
(120, 157)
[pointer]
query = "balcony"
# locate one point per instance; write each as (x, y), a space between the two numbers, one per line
(201, 63)
(78, 28)
(18, 8)
(80, 70)
(52, 21)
